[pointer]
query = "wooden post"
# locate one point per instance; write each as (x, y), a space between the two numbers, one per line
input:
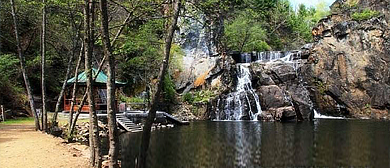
(2, 113)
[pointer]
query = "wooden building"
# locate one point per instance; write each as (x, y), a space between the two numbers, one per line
(100, 92)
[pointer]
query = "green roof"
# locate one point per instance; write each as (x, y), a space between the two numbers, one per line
(100, 79)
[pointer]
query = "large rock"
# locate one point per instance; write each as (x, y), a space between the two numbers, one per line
(288, 90)
(272, 97)
(279, 114)
(351, 63)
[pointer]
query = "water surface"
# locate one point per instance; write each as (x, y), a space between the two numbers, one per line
(328, 143)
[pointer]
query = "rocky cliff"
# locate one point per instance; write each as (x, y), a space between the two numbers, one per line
(345, 72)
(350, 60)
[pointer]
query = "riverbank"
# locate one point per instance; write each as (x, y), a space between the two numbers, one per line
(22, 146)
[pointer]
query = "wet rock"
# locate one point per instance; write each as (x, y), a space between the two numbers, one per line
(281, 72)
(271, 97)
(286, 113)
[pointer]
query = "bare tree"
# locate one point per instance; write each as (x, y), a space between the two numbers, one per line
(23, 67)
(57, 108)
(72, 104)
(157, 96)
(43, 64)
(94, 139)
(111, 109)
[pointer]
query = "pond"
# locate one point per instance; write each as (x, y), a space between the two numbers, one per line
(328, 143)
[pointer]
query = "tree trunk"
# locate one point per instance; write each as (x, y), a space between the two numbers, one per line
(58, 104)
(23, 67)
(157, 97)
(43, 62)
(111, 109)
(94, 78)
(61, 95)
(94, 139)
(72, 104)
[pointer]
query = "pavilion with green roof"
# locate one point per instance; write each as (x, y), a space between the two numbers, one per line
(101, 79)
(100, 91)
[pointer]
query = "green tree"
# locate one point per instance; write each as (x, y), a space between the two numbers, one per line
(245, 34)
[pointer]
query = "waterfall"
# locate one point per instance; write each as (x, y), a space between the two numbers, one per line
(269, 56)
(320, 116)
(244, 102)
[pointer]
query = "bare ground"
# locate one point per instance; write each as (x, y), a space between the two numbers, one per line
(23, 147)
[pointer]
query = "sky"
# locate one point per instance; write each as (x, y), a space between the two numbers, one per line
(313, 3)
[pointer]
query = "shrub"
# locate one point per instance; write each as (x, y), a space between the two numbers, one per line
(365, 15)
(188, 97)
(126, 99)
(169, 89)
(321, 87)
(204, 96)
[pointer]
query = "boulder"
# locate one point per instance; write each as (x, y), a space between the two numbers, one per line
(272, 97)
(279, 114)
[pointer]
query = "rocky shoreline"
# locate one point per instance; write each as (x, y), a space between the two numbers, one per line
(81, 133)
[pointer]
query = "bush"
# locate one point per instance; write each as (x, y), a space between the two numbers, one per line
(126, 99)
(204, 96)
(169, 89)
(365, 15)
(188, 97)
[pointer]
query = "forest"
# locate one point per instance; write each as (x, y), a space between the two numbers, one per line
(139, 29)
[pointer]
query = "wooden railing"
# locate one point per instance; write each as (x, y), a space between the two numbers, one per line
(99, 105)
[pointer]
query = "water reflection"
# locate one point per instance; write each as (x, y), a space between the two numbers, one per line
(328, 143)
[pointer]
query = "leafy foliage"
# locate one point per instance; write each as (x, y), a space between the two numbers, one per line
(365, 15)
(140, 53)
(271, 25)
(169, 89)
(188, 97)
(126, 99)
(203, 96)
(11, 91)
(244, 33)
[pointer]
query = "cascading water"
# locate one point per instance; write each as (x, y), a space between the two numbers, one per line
(317, 115)
(244, 102)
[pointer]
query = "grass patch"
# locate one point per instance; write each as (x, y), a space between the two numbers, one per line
(24, 120)
(365, 15)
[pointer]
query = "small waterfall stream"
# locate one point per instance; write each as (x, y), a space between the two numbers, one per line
(244, 85)
(317, 115)
(244, 102)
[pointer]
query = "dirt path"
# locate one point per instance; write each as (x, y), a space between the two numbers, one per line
(22, 146)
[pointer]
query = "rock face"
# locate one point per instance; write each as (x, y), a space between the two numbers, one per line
(281, 89)
(198, 52)
(351, 63)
